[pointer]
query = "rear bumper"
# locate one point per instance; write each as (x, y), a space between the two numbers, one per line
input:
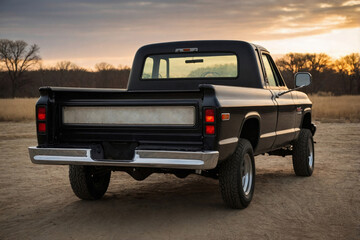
(142, 158)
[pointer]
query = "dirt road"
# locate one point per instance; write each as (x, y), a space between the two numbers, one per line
(36, 201)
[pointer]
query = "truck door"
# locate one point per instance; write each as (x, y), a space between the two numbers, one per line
(286, 109)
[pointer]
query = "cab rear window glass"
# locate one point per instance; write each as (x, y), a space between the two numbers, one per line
(190, 65)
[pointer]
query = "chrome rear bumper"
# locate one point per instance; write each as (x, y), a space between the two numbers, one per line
(142, 158)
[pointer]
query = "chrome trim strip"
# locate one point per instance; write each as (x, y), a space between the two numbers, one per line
(228, 141)
(281, 132)
(142, 158)
(266, 135)
(287, 131)
(250, 114)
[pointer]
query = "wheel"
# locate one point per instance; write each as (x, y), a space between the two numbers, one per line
(303, 154)
(88, 182)
(237, 176)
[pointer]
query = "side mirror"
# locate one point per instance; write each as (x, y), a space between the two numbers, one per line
(302, 79)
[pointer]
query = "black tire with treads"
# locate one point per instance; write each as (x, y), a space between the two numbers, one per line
(302, 148)
(230, 178)
(89, 182)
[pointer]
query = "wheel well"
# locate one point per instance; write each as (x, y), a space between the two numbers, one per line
(306, 121)
(250, 131)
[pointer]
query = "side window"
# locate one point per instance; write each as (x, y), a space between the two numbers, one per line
(276, 72)
(155, 68)
(148, 68)
(162, 69)
(269, 71)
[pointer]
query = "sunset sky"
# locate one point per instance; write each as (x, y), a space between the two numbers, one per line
(89, 32)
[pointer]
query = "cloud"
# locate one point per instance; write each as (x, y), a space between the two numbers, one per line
(111, 28)
(253, 18)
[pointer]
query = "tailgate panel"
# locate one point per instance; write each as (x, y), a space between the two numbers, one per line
(130, 115)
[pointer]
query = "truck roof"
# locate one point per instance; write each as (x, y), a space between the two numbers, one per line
(249, 74)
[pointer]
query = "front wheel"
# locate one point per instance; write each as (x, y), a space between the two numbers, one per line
(304, 154)
(237, 176)
(89, 182)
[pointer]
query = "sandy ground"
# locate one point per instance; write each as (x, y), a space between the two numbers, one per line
(36, 201)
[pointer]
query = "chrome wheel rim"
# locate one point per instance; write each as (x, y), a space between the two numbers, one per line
(246, 174)
(311, 154)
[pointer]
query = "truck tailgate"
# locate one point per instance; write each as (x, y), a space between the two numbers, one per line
(122, 121)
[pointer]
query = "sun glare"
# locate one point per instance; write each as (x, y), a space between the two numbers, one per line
(325, 5)
(326, 23)
(351, 3)
(337, 43)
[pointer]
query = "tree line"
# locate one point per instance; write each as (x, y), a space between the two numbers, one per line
(21, 72)
(340, 76)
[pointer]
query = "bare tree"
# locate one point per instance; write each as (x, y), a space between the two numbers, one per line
(17, 57)
(292, 62)
(66, 66)
(340, 67)
(352, 62)
(123, 67)
(318, 62)
(103, 66)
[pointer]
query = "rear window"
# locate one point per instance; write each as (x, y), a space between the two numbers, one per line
(190, 65)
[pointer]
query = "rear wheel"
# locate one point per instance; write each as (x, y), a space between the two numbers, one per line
(303, 154)
(89, 182)
(237, 176)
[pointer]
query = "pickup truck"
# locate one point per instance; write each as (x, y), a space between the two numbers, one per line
(191, 107)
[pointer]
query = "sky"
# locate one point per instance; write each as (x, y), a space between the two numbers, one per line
(89, 32)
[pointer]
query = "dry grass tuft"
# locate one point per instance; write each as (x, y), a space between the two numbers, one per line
(18, 109)
(325, 108)
(336, 108)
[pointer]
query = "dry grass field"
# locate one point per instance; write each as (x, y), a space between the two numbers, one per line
(336, 108)
(326, 108)
(18, 109)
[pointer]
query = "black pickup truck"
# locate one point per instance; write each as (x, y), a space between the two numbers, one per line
(192, 107)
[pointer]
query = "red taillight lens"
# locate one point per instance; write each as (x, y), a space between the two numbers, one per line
(42, 127)
(209, 118)
(209, 115)
(41, 113)
(210, 129)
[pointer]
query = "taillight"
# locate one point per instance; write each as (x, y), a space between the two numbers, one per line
(42, 127)
(41, 114)
(209, 120)
(41, 119)
(210, 129)
(209, 115)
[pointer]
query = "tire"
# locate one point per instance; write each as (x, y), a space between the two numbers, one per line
(304, 154)
(237, 176)
(88, 182)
